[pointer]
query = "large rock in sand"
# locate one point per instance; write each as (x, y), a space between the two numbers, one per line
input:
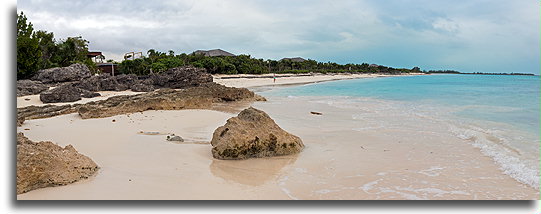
(65, 93)
(29, 87)
(74, 72)
(45, 164)
(253, 134)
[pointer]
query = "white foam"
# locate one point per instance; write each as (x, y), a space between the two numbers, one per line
(507, 158)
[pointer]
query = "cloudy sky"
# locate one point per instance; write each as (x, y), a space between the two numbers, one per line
(469, 36)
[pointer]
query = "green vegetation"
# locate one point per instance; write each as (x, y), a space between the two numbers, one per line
(39, 50)
(244, 64)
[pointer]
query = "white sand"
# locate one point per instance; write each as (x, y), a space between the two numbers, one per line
(247, 81)
(137, 166)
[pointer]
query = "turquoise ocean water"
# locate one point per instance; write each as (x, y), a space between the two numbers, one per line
(496, 113)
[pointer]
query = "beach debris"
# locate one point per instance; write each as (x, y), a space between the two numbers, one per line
(114, 120)
(316, 113)
(45, 164)
(150, 133)
(253, 134)
(173, 137)
(29, 129)
(27, 99)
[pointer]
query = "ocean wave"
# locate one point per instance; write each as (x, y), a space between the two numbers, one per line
(509, 159)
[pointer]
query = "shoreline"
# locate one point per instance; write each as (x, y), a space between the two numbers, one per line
(265, 80)
(168, 167)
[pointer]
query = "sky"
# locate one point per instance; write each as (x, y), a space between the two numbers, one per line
(464, 35)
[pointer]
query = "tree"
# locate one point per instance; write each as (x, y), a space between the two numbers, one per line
(47, 47)
(28, 54)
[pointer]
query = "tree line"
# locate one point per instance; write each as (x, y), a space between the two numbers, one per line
(157, 61)
(38, 49)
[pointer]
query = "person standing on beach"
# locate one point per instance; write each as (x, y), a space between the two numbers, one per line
(274, 78)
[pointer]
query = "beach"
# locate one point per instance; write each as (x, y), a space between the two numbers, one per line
(250, 80)
(342, 160)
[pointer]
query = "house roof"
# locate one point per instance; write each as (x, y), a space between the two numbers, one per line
(93, 53)
(295, 59)
(214, 52)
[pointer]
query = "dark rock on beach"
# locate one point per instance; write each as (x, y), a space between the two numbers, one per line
(45, 164)
(180, 77)
(71, 73)
(62, 93)
(29, 87)
(253, 134)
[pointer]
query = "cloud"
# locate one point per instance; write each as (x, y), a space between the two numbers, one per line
(490, 36)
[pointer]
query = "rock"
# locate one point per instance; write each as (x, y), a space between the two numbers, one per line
(60, 94)
(74, 72)
(316, 113)
(20, 120)
(45, 164)
(174, 138)
(180, 77)
(37, 112)
(206, 96)
(177, 78)
(201, 97)
(66, 93)
(29, 87)
(253, 134)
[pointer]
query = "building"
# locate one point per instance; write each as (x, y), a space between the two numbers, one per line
(214, 52)
(294, 59)
(108, 68)
(95, 56)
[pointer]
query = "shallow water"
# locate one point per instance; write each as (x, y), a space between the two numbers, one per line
(497, 115)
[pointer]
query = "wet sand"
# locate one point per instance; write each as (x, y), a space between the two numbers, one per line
(338, 162)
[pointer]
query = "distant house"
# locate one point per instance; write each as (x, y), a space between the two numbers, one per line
(95, 56)
(214, 52)
(294, 59)
(373, 65)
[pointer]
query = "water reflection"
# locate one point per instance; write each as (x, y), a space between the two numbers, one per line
(253, 172)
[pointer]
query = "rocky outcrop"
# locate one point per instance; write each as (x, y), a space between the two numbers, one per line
(36, 112)
(29, 87)
(180, 77)
(107, 82)
(60, 94)
(45, 164)
(253, 134)
(74, 72)
(65, 93)
(175, 78)
(201, 97)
